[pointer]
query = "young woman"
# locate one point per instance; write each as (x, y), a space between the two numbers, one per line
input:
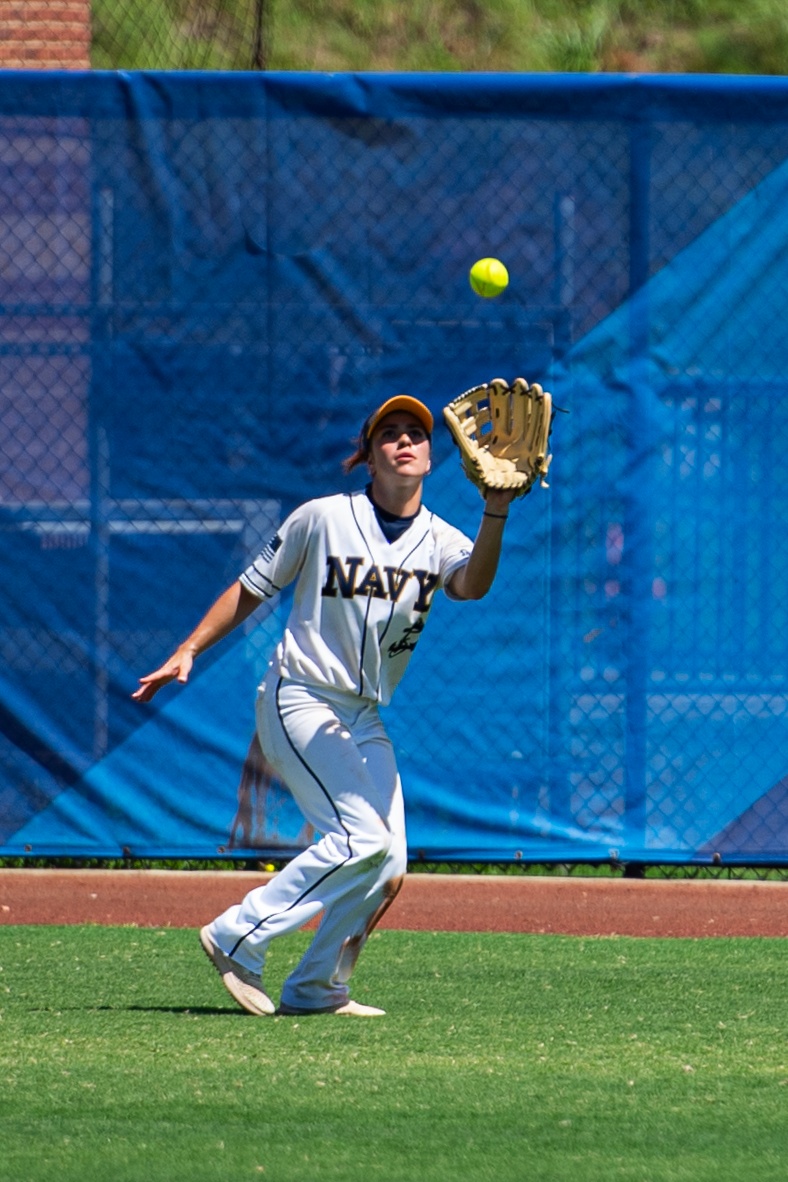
(366, 566)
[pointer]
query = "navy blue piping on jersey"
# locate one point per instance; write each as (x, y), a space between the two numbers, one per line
(260, 590)
(399, 572)
(369, 603)
(363, 646)
(325, 792)
(369, 597)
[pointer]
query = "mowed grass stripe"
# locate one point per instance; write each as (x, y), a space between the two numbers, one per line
(502, 1057)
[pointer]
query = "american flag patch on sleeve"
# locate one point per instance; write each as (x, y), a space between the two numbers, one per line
(270, 548)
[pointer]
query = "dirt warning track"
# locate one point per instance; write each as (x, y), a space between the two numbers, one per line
(428, 902)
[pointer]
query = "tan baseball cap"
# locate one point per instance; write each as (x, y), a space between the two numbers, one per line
(398, 402)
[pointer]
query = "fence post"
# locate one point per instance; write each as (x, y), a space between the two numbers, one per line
(638, 502)
(99, 458)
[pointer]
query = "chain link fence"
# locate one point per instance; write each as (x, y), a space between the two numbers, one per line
(204, 285)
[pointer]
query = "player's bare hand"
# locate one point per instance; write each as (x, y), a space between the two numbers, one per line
(177, 668)
(498, 500)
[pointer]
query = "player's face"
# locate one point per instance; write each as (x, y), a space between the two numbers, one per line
(400, 447)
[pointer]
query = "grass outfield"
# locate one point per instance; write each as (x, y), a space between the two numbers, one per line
(503, 1058)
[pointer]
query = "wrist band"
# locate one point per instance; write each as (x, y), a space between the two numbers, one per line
(500, 516)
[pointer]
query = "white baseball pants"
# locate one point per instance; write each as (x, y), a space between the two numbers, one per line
(332, 751)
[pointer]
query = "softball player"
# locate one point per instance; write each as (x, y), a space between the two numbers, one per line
(366, 567)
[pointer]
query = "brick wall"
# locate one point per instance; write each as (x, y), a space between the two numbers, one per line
(44, 34)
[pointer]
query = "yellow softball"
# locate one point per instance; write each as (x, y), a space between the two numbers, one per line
(488, 277)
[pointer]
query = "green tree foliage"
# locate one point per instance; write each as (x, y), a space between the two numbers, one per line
(643, 36)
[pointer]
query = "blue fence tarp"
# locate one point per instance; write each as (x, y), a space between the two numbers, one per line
(207, 280)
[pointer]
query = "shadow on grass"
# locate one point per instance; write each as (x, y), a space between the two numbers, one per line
(227, 1011)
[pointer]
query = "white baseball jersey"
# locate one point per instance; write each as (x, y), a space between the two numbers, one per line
(361, 602)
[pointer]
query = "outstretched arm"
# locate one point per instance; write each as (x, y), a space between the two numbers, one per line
(475, 579)
(230, 610)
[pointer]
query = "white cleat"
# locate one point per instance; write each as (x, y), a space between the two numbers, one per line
(357, 1009)
(354, 1009)
(245, 986)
